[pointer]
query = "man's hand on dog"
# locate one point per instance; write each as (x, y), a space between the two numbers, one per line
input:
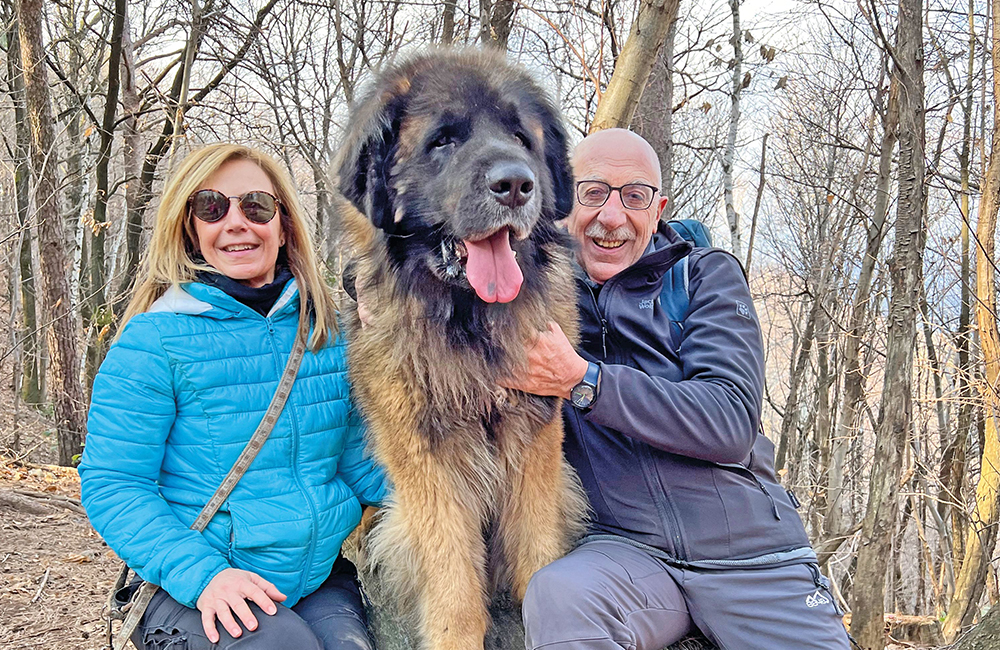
(553, 367)
(228, 593)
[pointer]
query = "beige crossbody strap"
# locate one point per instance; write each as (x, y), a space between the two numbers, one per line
(137, 607)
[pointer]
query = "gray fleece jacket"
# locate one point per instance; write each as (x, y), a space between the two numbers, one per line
(670, 454)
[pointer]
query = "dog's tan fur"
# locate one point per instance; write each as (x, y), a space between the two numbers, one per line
(470, 513)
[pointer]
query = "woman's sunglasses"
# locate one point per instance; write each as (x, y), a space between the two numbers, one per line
(211, 206)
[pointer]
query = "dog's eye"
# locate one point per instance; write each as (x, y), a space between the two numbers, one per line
(442, 141)
(523, 139)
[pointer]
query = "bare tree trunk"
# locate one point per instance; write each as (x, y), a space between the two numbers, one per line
(620, 99)
(501, 22)
(981, 536)
(448, 22)
(653, 116)
(756, 204)
(28, 324)
(936, 370)
(68, 394)
(100, 315)
(190, 49)
(496, 19)
(131, 149)
(667, 153)
(788, 438)
(825, 377)
(952, 477)
(896, 410)
(855, 379)
(729, 154)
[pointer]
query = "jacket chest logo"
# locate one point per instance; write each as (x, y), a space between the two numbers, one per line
(646, 304)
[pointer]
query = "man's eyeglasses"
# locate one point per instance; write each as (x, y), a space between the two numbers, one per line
(211, 206)
(635, 196)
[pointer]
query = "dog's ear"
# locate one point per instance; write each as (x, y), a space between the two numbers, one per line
(365, 159)
(557, 160)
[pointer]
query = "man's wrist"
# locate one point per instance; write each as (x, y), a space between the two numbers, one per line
(586, 391)
(573, 378)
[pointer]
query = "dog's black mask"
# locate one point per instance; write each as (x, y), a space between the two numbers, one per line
(462, 161)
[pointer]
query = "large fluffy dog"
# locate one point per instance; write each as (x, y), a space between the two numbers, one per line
(458, 166)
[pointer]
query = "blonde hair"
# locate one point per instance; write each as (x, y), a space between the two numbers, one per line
(170, 258)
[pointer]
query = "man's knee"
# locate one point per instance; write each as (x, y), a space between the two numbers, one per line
(558, 590)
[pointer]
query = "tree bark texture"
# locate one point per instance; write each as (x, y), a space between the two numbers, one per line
(906, 271)
(496, 20)
(27, 334)
(855, 379)
(132, 156)
(984, 636)
(980, 537)
(952, 476)
(100, 315)
(653, 116)
(448, 22)
(620, 99)
(56, 300)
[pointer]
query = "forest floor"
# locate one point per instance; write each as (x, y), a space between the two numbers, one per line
(55, 571)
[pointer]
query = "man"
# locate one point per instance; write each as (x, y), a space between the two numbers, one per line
(690, 527)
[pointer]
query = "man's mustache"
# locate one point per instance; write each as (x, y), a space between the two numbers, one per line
(597, 231)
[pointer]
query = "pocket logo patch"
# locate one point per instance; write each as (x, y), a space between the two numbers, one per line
(743, 310)
(816, 599)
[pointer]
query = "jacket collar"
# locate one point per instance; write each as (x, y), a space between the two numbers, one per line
(195, 298)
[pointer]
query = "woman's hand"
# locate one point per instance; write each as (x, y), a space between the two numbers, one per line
(228, 592)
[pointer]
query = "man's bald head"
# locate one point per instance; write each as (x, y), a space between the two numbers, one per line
(619, 166)
(620, 142)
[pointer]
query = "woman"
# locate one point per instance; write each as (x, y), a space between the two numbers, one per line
(203, 345)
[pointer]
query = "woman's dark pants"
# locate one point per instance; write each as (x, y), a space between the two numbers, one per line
(330, 618)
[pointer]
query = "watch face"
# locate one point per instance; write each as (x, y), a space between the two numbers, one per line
(582, 395)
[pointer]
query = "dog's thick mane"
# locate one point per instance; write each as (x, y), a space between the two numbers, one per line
(464, 344)
(455, 347)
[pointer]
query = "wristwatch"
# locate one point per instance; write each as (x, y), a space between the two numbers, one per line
(585, 393)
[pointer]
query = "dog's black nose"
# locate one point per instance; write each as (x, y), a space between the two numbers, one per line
(511, 183)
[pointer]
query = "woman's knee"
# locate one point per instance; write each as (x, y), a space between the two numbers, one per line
(180, 628)
(285, 629)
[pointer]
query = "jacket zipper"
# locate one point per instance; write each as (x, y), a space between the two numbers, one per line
(604, 323)
(746, 471)
(293, 424)
(666, 509)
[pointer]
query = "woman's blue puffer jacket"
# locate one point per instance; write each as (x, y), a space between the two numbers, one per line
(176, 400)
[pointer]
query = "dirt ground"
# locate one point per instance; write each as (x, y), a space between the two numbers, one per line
(55, 571)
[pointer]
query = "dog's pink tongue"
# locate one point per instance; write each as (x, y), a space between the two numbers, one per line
(491, 268)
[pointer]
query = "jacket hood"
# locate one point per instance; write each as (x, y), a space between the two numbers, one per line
(665, 249)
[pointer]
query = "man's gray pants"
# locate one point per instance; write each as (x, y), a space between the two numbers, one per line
(608, 595)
